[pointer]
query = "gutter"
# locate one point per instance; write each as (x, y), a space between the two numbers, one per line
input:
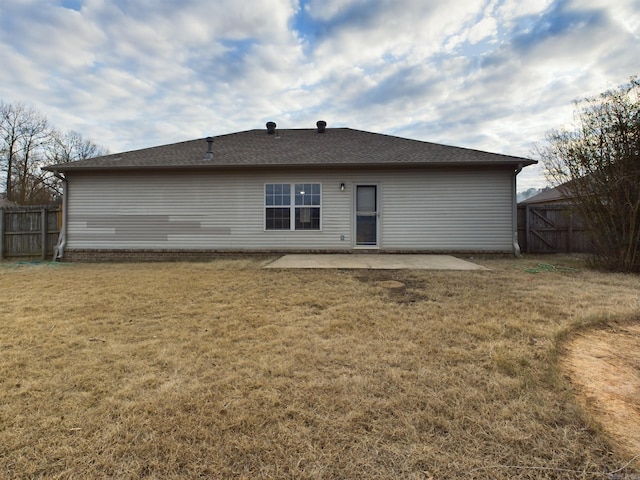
(337, 165)
(58, 251)
(514, 208)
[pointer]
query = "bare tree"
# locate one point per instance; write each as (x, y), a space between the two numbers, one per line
(23, 133)
(36, 134)
(21, 128)
(67, 147)
(599, 164)
(70, 146)
(27, 143)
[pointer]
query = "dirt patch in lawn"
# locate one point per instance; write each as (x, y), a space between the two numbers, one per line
(605, 367)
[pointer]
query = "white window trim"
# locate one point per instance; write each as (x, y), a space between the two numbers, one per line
(291, 207)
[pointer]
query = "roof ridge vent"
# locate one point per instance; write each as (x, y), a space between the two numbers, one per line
(322, 126)
(209, 154)
(271, 128)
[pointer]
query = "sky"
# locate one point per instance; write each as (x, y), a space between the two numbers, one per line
(494, 75)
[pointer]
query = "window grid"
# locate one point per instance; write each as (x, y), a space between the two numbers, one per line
(293, 206)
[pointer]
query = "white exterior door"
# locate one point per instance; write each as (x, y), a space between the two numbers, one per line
(366, 215)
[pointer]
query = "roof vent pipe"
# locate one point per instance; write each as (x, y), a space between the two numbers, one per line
(322, 126)
(271, 128)
(209, 154)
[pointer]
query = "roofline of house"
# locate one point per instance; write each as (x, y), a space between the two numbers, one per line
(111, 160)
(305, 166)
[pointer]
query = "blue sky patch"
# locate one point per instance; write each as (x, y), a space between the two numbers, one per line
(72, 4)
(238, 48)
(557, 21)
(307, 28)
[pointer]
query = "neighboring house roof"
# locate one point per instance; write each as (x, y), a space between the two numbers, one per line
(337, 147)
(560, 194)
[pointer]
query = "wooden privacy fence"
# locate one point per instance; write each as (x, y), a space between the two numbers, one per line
(551, 229)
(29, 231)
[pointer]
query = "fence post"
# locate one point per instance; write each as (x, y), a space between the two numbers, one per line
(570, 234)
(1, 233)
(43, 230)
(527, 227)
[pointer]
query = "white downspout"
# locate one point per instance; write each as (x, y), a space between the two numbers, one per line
(58, 252)
(516, 245)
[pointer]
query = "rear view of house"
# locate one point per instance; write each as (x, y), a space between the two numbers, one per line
(272, 190)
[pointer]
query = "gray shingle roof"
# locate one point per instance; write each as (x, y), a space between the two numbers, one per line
(294, 148)
(560, 194)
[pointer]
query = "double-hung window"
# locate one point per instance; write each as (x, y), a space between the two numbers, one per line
(292, 206)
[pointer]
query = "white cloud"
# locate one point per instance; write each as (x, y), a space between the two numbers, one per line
(492, 75)
(401, 28)
(512, 9)
(485, 28)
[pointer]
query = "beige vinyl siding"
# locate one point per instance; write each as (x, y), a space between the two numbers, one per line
(203, 210)
(224, 210)
(444, 210)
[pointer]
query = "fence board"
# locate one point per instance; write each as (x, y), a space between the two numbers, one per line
(29, 231)
(551, 229)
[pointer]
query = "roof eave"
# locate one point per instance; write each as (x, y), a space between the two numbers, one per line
(103, 168)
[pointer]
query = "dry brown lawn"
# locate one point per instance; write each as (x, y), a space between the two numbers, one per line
(226, 370)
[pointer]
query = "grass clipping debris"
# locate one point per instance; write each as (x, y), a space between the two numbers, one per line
(226, 370)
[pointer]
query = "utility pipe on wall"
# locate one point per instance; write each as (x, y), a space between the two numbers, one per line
(58, 252)
(516, 245)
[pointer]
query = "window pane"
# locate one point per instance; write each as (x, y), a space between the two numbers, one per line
(307, 218)
(366, 199)
(277, 194)
(278, 219)
(366, 230)
(311, 195)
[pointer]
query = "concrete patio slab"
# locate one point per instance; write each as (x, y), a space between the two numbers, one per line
(374, 261)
